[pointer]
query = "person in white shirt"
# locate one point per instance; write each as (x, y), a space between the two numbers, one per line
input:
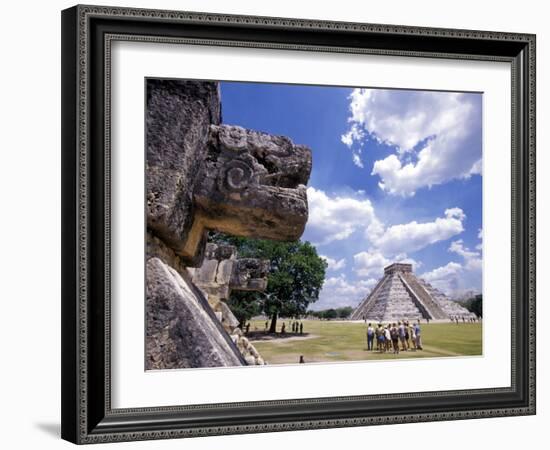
(370, 337)
(412, 332)
(401, 331)
(387, 337)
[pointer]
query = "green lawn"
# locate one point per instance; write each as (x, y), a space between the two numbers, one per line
(346, 341)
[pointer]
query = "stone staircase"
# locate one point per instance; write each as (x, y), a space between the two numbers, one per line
(451, 308)
(429, 308)
(365, 305)
(394, 302)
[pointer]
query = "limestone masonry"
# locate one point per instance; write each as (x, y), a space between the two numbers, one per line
(203, 175)
(401, 295)
(220, 274)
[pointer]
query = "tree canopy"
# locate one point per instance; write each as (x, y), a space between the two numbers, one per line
(333, 313)
(294, 281)
(475, 305)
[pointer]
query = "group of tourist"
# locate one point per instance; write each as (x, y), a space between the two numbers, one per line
(396, 337)
(297, 327)
(456, 319)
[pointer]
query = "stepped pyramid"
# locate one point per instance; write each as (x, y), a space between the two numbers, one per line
(400, 295)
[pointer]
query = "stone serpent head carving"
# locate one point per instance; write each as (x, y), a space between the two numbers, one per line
(253, 184)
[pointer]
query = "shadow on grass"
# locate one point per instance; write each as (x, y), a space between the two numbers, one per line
(263, 336)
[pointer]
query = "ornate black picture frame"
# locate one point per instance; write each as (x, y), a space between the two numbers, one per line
(87, 34)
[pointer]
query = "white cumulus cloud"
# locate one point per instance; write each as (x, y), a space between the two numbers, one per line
(334, 264)
(472, 259)
(372, 263)
(335, 218)
(339, 291)
(445, 278)
(455, 277)
(413, 236)
(480, 237)
(441, 130)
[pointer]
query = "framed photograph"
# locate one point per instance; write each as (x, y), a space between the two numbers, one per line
(280, 224)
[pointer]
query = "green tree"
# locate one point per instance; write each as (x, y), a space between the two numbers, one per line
(344, 312)
(295, 278)
(244, 305)
(477, 305)
(474, 304)
(333, 313)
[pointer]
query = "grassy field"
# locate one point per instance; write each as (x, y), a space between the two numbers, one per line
(346, 341)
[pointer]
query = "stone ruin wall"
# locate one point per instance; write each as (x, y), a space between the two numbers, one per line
(200, 176)
(223, 272)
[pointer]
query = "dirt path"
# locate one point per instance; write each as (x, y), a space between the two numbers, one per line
(275, 339)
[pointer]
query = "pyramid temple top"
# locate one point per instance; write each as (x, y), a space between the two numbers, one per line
(397, 267)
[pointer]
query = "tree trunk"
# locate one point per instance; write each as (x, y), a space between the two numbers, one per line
(273, 326)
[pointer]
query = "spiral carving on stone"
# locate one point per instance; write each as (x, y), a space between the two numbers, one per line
(235, 176)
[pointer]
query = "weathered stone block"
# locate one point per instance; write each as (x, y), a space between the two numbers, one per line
(182, 330)
(229, 320)
(250, 274)
(220, 252)
(207, 272)
(225, 270)
(178, 119)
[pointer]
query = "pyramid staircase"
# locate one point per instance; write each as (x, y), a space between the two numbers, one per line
(421, 297)
(366, 304)
(451, 308)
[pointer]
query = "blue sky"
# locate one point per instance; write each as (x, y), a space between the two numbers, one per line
(396, 177)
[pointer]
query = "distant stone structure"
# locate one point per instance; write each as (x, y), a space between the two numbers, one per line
(202, 175)
(401, 295)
